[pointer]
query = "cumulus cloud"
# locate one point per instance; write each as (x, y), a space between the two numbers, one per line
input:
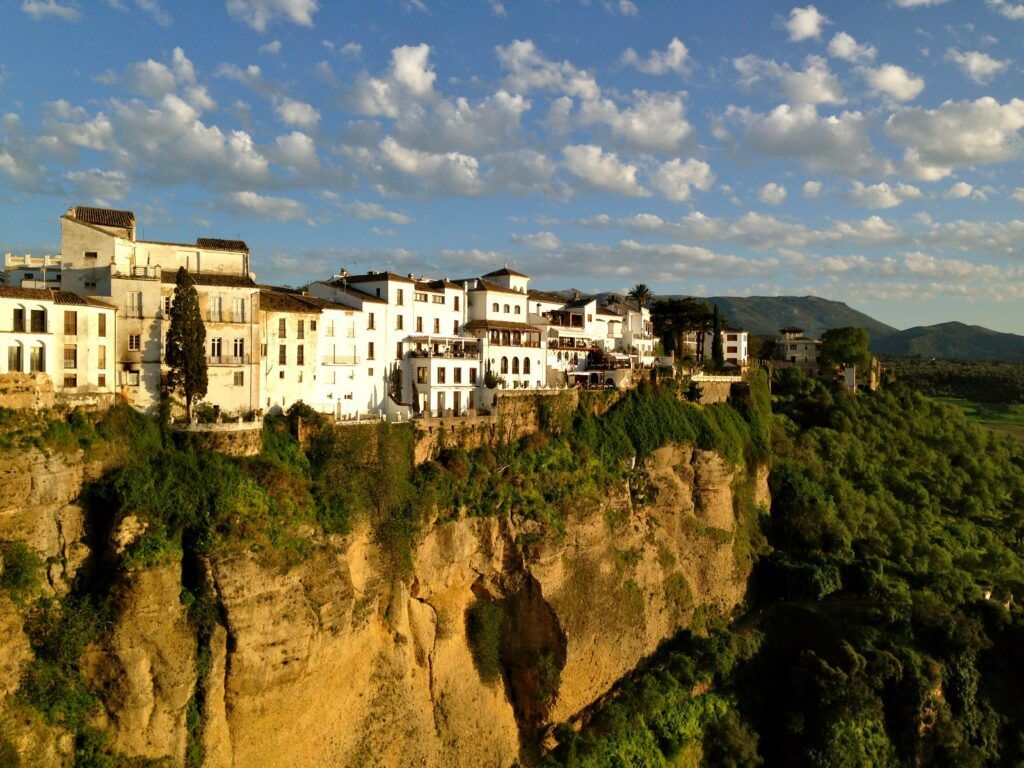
(958, 134)
(602, 170)
(675, 58)
(675, 179)
(1008, 8)
(541, 241)
(374, 212)
(772, 193)
(814, 84)
(451, 172)
(528, 70)
(656, 122)
(882, 195)
(101, 186)
(41, 9)
(154, 80)
(978, 66)
(259, 14)
(297, 151)
(962, 190)
(297, 113)
(411, 75)
(271, 49)
(265, 207)
(812, 189)
(894, 82)
(805, 23)
(843, 46)
(458, 124)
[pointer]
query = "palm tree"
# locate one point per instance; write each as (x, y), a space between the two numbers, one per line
(640, 293)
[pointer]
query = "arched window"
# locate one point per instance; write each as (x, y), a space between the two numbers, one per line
(517, 309)
(494, 306)
(504, 365)
(506, 309)
(515, 365)
(526, 366)
(15, 358)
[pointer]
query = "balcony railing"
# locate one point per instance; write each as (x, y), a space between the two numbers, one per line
(227, 359)
(150, 273)
(340, 360)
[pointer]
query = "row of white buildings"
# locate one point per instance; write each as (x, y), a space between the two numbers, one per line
(94, 320)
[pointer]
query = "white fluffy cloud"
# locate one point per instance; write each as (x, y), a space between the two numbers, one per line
(958, 134)
(101, 186)
(297, 151)
(411, 76)
(844, 46)
(40, 9)
(374, 212)
(962, 190)
(259, 14)
(541, 241)
(772, 193)
(460, 125)
(297, 113)
(894, 82)
(265, 207)
(805, 23)
(528, 70)
(675, 179)
(882, 195)
(978, 66)
(656, 122)
(814, 84)
(1008, 8)
(271, 49)
(451, 172)
(812, 189)
(602, 170)
(675, 58)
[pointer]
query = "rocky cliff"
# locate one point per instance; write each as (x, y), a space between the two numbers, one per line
(326, 662)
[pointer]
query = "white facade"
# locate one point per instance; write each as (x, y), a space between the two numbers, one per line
(735, 347)
(68, 337)
(30, 271)
(794, 347)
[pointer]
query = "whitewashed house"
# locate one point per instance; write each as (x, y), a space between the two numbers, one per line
(735, 347)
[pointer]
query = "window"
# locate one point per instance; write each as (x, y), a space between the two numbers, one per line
(371, 325)
(419, 325)
(167, 305)
(282, 355)
(134, 304)
(731, 350)
(458, 375)
(400, 300)
(239, 378)
(398, 351)
(518, 308)
(238, 348)
(399, 322)
(437, 325)
(369, 373)
(38, 318)
(90, 283)
(590, 318)
(101, 381)
(455, 328)
(91, 254)
(238, 310)
(280, 375)
(515, 365)
(37, 360)
(263, 350)
(378, 292)
(300, 355)
(134, 342)
(438, 299)
(29, 276)
(421, 374)
(506, 309)
(216, 313)
(70, 323)
(133, 378)
(300, 332)
(456, 300)
(101, 328)
(312, 325)
(419, 296)
(14, 362)
(215, 348)
(494, 306)
(440, 374)
(19, 320)
(101, 357)
(472, 375)
(369, 351)
(504, 365)
(526, 366)
(71, 381)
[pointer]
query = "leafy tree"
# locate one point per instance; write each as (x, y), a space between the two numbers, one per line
(186, 343)
(717, 352)
(395, 383)
(641, 294)
(850, 346)
(674, 318)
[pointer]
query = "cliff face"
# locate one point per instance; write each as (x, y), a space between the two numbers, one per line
(328, 663)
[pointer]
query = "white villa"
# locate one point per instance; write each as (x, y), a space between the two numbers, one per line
(735, 347)
(374, 344)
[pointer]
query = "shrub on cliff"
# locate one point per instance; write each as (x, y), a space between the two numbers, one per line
(484, 621)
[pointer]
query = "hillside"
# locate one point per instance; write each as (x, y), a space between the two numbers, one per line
(953, 341)
(764, 315)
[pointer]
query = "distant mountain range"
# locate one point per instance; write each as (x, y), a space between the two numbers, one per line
(765, 315)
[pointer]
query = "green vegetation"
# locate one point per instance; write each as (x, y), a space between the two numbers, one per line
(845, 346)
(483, 630)
(22, 570)
(1000, 417)
(878, 632)
(186, 344)
(982, 382)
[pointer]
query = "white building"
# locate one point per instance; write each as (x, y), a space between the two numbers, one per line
(794, 347)
(30, 271)
(68, 337)
(735, 347)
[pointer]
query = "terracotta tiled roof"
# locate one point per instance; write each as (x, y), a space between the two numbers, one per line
(354, 292)
(609, 312)
(505, 272)
(216, 244)
(546, 296)
(65, 298)
(104, 217)
(283, 301)
(210, 278)
(582, 301)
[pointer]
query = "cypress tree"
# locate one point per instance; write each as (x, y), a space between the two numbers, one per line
(717, 353)
(186, 343)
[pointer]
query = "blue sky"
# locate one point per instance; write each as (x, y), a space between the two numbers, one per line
(864, 151)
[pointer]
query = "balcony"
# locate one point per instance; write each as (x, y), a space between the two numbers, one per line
(339, 360)
(227, 359)
(143, 273)
(225, 316)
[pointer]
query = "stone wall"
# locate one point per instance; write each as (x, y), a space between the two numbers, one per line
(26, 390)
(244, 439)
